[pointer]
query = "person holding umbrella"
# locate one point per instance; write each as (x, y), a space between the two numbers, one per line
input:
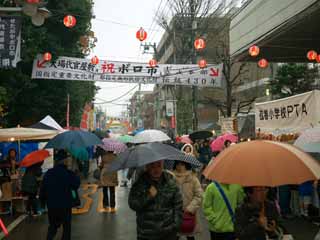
(56, 191)
(109, 181)
(30, 187)
(157, 201)
(257, 217)
(192, 196)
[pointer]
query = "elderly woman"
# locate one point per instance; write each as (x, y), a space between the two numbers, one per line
(109, 181)
(191, 194)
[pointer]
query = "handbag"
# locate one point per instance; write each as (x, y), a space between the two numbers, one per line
(188, 223)
(76, 202)
(97, 174)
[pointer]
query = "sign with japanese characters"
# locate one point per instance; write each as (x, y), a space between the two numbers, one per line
(289, 115)
(9, 41)
(65, 68)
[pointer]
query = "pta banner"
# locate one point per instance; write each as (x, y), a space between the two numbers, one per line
(65, 68)
(289, 115)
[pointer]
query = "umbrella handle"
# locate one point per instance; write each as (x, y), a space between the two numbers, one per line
(3, 227)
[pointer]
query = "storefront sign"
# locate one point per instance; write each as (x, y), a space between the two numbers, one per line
(289, 115)
(169, 108)
(9, 41)
(65, 68)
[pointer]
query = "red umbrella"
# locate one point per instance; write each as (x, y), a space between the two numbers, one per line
(34, 158)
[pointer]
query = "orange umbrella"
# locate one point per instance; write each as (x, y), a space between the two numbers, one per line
(34, 158)
(263, 163)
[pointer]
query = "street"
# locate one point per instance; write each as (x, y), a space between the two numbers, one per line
(121, 226)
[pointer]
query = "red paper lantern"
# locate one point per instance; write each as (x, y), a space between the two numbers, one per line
(199, 44)
(312, 55)
(202, 63)
(318, 58)
(263, 63)
(69, 21)
(95, 60)
(47, 56)
(153, 63)
(33, 1)
(141, 34)
(254, 51)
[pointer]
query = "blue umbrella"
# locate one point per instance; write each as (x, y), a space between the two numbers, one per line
(79, 153)
(73, 139)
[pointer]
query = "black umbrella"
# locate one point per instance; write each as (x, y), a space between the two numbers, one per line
(147, 153)
(200, 135)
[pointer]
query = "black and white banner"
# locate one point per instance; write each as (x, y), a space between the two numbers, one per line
(65, 68)
(9, 41)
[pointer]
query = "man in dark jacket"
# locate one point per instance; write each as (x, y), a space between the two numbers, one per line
(56, 189)
(157, 201)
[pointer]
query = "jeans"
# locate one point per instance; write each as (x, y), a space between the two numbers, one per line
(109, 202)
(222, 236)
(58, 217)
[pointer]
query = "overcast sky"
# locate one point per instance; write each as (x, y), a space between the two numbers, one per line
(115, 26)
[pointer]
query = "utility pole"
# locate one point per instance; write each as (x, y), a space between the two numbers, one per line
(193, 61)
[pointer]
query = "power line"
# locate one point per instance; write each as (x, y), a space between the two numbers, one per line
(123, 95)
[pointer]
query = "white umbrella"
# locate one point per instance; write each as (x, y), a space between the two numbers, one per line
(152, 135)
(309, 140)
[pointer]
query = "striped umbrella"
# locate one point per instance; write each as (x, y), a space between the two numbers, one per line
(188, 158)
(113, 145)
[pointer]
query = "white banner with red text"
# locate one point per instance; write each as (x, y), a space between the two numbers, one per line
(66, 68)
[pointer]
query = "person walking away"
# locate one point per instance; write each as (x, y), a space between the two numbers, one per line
(191, 190)
(219, 204)
(109, 181)
(157, 201)
(30, 187)
(257, 218)
(56, 191)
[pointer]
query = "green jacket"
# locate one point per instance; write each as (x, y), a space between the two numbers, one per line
(159, 216)
(215, 208)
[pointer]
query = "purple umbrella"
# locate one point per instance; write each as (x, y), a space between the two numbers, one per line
(113, 145)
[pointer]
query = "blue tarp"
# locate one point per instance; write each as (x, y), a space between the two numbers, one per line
(25, 148)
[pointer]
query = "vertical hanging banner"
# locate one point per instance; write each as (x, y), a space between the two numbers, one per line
(9, 41)
(65, 68)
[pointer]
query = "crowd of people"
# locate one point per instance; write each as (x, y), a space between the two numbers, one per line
(167, 202)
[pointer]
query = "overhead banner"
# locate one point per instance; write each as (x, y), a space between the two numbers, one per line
(9, 41)
(65, 68)
(288, 115)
